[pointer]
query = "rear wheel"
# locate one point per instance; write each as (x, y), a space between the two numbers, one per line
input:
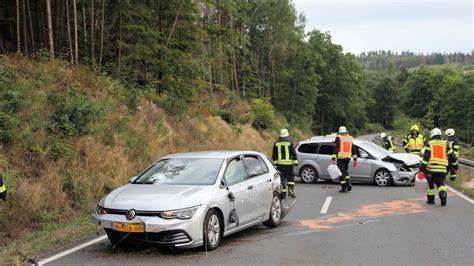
(308, 174)
(212, 230)
(382, 178)
(275, 212)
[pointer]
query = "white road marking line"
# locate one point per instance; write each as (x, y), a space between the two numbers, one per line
(325, 207)
(74, 249)
(460, 194)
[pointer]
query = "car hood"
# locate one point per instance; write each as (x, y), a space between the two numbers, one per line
(156, 197)
(408, 159)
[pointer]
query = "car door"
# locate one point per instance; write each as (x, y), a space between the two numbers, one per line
(324, 158)
(364, 168)
(235, 179)
(262, 184)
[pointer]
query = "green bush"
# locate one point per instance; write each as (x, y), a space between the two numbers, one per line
(72, 113)
(228, 116)
(59, 149)
(264, 114)
(8, 127)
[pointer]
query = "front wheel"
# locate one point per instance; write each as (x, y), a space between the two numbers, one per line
(212, 233)
(382, 178)
(275, 212)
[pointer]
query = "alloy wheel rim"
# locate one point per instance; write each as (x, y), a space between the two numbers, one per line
(308, 175)
(382, 178)
(213, 230)
(276, 209)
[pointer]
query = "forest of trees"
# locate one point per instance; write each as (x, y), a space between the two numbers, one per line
(184, 48)
(373, 60)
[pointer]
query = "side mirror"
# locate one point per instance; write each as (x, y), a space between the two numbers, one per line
(364, 156)
(130, 180)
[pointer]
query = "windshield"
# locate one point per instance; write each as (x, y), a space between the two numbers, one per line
(176, 171)
(373, 149)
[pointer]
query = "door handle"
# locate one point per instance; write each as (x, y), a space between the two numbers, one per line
(250, 187)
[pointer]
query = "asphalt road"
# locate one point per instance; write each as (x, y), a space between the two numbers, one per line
(368, 226)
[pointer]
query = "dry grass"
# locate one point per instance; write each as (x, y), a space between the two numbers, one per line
(45, 195)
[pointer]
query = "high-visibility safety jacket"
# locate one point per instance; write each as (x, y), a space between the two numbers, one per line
(2, 188)
(284, 152)
(454, 142)
(413, 144)
(438, 155)
(388, 143)
(344, 148)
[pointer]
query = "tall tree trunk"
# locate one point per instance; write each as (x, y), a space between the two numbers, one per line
(25, 28)
(102, 34)
(68, 29)
(32, 38)
(119, 59)
(92, 35)
(174, 23)
(76, 45)
(85, 29)
(50, 30)
(18, 39)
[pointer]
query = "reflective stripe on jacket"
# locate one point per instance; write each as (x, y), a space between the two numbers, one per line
(284, 153)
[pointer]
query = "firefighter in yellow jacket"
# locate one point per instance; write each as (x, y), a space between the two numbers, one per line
(437, 158)
(414, 142)
(284, 158)
(343, 151)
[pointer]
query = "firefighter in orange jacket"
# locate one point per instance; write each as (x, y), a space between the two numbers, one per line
(437, 158)
(343, 152)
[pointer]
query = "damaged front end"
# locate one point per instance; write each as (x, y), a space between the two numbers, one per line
(405, 174)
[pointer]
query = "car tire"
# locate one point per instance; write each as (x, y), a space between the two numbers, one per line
(308, 174)
(382, 178)
(276, 212)
(212, 230)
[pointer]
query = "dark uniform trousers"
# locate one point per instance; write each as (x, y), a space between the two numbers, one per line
(343, 165)
(287, 177)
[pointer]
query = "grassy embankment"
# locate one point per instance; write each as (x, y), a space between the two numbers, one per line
(69, 137)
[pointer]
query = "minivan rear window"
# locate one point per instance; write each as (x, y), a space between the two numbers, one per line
(327, 149)
(308, 148)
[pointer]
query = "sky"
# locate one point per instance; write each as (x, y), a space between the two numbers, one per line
(397, 25)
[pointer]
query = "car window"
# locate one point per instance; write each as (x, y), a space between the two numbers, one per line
(327, 149)
(253, 165)
(264, 165)
(308, 148)
(235, 172)
(362, 153)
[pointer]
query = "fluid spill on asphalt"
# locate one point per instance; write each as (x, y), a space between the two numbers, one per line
(389, 208)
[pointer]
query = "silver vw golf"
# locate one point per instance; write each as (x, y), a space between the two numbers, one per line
(193, 199)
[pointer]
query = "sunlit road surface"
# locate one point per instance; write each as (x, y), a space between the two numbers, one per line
(368, 226)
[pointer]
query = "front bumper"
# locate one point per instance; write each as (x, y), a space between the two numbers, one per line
(170, 232)
(403, 177)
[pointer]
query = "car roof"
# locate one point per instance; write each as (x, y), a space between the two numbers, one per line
(218, 154)
(321, 139)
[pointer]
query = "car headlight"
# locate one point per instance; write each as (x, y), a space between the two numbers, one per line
(100, 210)
(179, 214)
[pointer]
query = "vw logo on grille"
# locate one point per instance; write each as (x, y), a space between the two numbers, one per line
(130, 214)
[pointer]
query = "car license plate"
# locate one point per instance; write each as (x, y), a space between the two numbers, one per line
(130, 228)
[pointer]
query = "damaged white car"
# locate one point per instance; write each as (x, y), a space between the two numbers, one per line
(194, 199)
(376, 165)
